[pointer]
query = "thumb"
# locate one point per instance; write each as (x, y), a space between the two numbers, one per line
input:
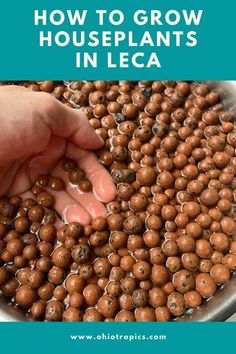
(69, 123)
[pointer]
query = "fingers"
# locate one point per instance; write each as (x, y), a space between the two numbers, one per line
(68, 123)
(91, 204)
(69, 209)
(103, 187)
(86, 200)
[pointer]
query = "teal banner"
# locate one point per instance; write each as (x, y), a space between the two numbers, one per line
(117, 338)
(134, 40)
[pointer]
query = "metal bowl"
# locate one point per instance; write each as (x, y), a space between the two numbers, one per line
(218, 308)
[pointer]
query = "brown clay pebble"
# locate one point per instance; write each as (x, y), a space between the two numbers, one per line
(54, 311)
(37, 310)
(75, 284)
(25, 296)
(157, 297)
(35, 278)
(4, 275)
(146, 176)
(162, 314)
(61, 257)
(159, 275)
(45, 199)
(220, 273)
(125, 316)
(22, 224)
(209, 197)
(193, 299)
(76, 175)
(85, 185)
(91, 294)
(145, 314)
(72, 315)
(80, 253)
(192, 209)
(92, 315)
(183, 281)
(47, 232)
(55, 184)
(205, 285)
(36, 213)
(108, 305)
(141, 270)
(15, 247)
(133, 225)
(176, 303)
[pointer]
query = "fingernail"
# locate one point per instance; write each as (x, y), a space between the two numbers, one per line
(74, 213)
(66, 213)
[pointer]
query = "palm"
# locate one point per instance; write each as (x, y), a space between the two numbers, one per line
(37, 148)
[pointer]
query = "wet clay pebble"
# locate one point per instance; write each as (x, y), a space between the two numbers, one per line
(220, 273)
(72, 315)
(133, 225)
(37, 310)
(157, 297)
(85, 185)
(54, 311)
(75, 284)
(125, 316)
(183, 281)
(36, 213)
(176, 303)
(228, 225)
(209, 197)
(35, 278)
(92, 294)
(45, 199)
(144, 314)
(15, 247)
(205, 285)
(141, 270)
(61, 257)
(159, 275)
(80, 253)
(107, 305)
(162, 314)
(22, 224)
(76, 175)
(123, 175)
(193, 299)
(56, 275)
(55, 184)
(146, 176)
(26, 296)
(9, 288)
(92, 315)
(47, 232)
(4, 275)
(192, 209)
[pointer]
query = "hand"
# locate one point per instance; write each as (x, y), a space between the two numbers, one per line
(36, 132)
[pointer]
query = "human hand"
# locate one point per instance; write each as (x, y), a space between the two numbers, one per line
(36, 132)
